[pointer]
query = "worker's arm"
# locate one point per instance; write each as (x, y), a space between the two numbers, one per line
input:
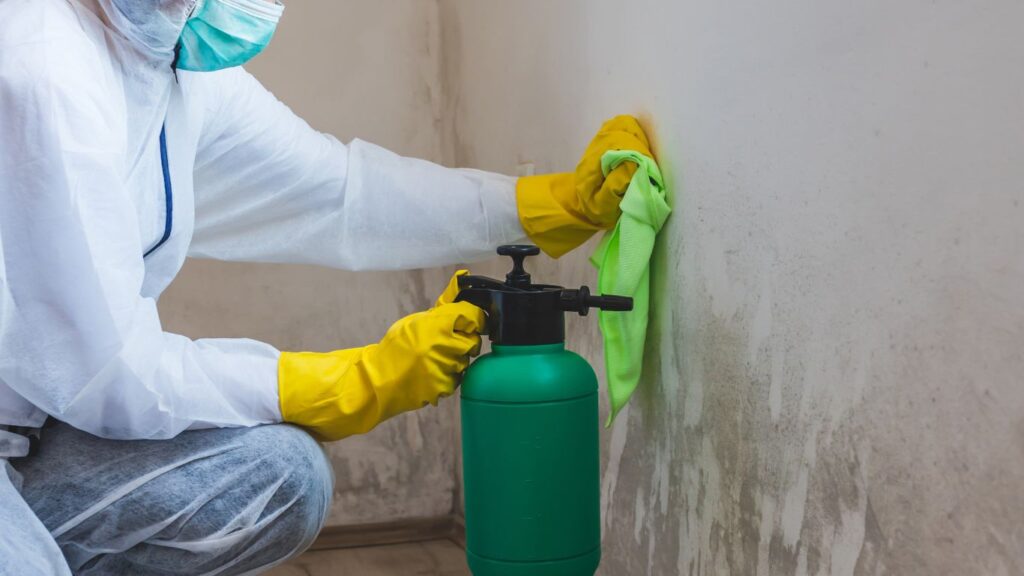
(270, 188)
(77, 339)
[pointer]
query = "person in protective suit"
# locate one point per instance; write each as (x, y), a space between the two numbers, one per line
(130, 139)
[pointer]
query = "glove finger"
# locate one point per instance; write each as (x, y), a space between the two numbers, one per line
(599, 196)
(619, 133)
(613, 140)
(466, 318)
(604, 204)
(452, 290)
(459, 345)
(457, 336)
(630, 125)
(449, 364)
(606, 201)
(468, 344)
(606, 141)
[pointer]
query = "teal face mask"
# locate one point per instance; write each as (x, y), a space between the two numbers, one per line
(225, 33)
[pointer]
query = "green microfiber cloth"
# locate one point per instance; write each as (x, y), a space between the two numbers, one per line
(623, 263)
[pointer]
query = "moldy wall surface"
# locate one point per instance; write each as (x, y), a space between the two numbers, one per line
(367, 69)
(833, 378)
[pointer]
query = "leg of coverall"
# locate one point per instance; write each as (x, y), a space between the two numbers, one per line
(224, 502)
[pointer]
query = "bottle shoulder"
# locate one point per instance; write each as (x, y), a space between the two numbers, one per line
(547, 376)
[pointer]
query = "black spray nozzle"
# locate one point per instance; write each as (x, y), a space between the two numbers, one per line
(522, 313)
(582, 301)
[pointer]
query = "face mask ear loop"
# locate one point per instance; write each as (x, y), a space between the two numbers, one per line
(196, 6)
(174, 63)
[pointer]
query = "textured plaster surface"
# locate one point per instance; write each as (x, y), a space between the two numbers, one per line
(833, 373)
(833, 377)
(367, 69)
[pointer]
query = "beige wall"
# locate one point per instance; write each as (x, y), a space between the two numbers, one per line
(833, 382)
(833, 376)
(365, 68)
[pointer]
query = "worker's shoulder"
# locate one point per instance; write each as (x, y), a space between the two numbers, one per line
(45, 44)
(33, 22)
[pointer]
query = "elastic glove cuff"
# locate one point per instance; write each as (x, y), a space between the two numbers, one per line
(318, 392)
(546, 213)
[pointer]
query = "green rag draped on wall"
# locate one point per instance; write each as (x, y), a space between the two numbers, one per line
(623, 260)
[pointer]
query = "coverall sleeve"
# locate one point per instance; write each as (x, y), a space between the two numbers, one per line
(269, 188)
(76, 337)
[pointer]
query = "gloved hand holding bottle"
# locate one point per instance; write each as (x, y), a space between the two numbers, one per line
(561, 211)
(419, 360)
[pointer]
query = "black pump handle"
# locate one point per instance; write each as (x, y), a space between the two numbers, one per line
(518, 277)
(518, 251)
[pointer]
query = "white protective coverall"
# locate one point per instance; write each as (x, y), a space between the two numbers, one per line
(86, 88)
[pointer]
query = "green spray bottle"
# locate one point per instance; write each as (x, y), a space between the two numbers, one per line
(531, 468)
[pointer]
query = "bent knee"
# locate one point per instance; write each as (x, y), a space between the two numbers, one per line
(296, 481)
(254, 498)
(304, 474)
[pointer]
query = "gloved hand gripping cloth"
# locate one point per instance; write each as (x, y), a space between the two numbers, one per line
(623, 262)
(559, 212)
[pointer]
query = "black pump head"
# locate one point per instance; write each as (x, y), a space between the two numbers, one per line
(520, 313)
(518, 277)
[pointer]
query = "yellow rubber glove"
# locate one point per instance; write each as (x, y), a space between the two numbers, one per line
(561, 211)
(420, 359)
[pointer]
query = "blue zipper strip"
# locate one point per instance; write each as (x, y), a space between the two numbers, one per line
(168, 193)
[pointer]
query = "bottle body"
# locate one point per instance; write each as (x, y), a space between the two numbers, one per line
(531, 463)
